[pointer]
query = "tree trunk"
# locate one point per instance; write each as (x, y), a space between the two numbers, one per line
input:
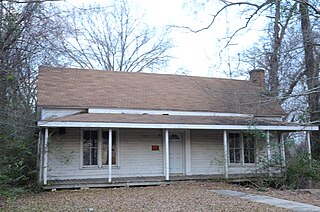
(274, 60)
(312, 76)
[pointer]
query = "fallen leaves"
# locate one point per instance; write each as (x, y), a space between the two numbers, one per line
(179, 196)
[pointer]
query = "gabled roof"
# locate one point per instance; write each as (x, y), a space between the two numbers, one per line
(78, 88)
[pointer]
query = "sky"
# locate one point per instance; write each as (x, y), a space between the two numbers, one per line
(195, 54)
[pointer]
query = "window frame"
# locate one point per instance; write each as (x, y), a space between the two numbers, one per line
(242, 162)
(99, 150)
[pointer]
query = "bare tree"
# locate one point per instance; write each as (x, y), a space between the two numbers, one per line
(285, 82)
(113, 38)
(24, 33)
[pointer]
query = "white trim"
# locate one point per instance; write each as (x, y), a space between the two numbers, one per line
(268, 146)
(167, 153)
(309, 144)
(110, 155)
(175, 126)
(282, 149)
(39, 157)
(188, 152)
(164, 112)
(268, 152)
(45, 158)
(225, 154)
(99, 151)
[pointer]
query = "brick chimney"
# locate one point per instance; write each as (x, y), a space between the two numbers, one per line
(257, 77)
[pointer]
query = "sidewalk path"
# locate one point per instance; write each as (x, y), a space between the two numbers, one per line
(295, 206)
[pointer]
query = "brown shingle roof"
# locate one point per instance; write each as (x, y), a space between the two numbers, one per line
(61, 87)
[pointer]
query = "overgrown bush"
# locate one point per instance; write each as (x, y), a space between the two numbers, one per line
(18, 171)
(301, 171)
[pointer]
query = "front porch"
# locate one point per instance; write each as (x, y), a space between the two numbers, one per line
(137, 181)
(151, 156)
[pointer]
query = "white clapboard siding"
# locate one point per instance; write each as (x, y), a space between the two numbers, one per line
(135, 156)
(206, 152)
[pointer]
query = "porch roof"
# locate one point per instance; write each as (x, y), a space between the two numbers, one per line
(171, 122)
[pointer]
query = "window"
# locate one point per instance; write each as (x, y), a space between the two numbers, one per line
(248, 149)
(105, 147)
(95, 149)
(241, 148)
(90, 147)
(234, 147)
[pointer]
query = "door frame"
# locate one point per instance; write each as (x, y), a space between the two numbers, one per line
(183, 151)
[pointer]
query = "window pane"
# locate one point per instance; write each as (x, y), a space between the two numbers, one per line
(231, 142)
(246, 155)
(251, 156)
(231, 154)
(94, 156)
(86, 156)
(237, 155)
(251, 143)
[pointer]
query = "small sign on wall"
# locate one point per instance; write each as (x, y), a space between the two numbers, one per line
(155, 148)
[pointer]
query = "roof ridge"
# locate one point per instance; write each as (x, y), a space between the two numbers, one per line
(143, 73)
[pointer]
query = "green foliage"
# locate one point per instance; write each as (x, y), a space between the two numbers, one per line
(302, 169)
(18, 170)
(299, 172)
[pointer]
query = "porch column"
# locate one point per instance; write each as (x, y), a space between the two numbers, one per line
(188, 153)
(308, 144)
(45, 157)
(166, 138)
(39, 157)
(282, 149)
(268, 146)
(110, 155)
(225, 154)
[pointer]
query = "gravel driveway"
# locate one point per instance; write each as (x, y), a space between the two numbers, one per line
(179, 196)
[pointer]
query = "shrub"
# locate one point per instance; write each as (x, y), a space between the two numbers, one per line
(18, 170)
(301, 170)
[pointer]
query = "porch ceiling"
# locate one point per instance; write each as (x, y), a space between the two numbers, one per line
(170, 122)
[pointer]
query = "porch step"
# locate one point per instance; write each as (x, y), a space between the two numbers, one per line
(103, 185)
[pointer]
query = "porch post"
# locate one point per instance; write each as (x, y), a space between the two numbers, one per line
(268, 146)
(167, 170)
(225, 154)
(308, 144)
(45, 157)
(188, 153)
(110, 155)
(283, 153)
(40, 157)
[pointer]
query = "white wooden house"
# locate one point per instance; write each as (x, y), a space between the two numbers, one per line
(110, 125)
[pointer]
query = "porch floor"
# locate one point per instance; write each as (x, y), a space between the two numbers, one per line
(132, 181)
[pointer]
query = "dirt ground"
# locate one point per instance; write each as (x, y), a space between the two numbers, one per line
(179, 196)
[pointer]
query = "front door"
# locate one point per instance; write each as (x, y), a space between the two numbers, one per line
(176, 153)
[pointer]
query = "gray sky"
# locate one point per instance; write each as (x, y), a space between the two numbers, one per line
(196, 53)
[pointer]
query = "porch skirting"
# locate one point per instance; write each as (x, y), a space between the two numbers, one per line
(137, 181)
